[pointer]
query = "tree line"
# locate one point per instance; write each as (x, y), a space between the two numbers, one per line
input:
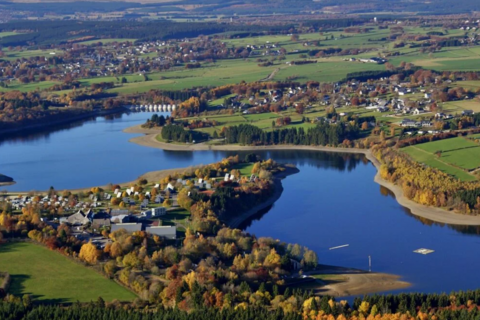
(322, 134)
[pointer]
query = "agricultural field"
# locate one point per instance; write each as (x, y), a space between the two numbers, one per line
(13, 55)
(456, 156)
(458, 106)
(27, 87)
(53, 278)
(261, 120)
(228, 71)
(449, 58)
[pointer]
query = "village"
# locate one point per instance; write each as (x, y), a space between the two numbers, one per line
(149, 207)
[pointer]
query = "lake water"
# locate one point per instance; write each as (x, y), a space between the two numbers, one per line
(332, 201)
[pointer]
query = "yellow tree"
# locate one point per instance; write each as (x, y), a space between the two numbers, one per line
(89, 253)
(273, 259)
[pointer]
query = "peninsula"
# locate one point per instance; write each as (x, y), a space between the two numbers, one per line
(5, 180)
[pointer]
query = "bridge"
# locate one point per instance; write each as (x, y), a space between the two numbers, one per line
(153, 107)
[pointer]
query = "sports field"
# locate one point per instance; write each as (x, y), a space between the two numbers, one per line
(50, 277)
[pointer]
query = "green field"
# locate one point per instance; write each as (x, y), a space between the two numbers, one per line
(458, 156)
(244, 168)
(50, 277)
(327, 69)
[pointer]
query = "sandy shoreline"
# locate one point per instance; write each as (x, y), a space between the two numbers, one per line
(350, 282)
(431, 213)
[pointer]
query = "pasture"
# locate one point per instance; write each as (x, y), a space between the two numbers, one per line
(457, 156)
(51, 278)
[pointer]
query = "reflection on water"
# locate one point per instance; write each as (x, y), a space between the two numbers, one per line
(333, 200)
(43, 133)
(469, 230)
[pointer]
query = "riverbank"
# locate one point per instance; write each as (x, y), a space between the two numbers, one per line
(435, 214)
(344, 282)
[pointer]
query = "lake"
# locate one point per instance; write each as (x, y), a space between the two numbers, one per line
(332, 201)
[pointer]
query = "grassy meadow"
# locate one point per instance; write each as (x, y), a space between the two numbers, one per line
(458, 156)
(51, 278)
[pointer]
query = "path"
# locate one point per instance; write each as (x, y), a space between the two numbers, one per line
(271, 75)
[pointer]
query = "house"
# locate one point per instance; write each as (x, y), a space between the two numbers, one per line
(467, 113)
(155, 212)
(170, 188)
(408, 123)
(79, 218)
(382, 109)
(124, 218)
(100, 215)
(418, 111)
(167, 232)
(426, 124)
(129, 227)
(119, 212)
(101, 223)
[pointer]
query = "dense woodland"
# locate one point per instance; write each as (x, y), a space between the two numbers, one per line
(322, 134)
(454, 306)
(57, 32)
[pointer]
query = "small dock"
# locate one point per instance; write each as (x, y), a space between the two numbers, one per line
(424, 251)
(338, 247)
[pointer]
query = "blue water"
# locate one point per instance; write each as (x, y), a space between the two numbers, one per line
(332, 201)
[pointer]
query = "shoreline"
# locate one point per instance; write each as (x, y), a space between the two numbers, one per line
(354, 282)
(344, 282)
(435, 214)
(237, 221)
(74, 118)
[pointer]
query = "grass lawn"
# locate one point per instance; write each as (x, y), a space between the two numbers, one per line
(457, 154)
(245, 168)
(179, 215)
(50, 277)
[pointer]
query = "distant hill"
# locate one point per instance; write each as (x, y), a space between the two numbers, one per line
(244, 7)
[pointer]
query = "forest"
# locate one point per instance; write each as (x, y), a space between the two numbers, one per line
(453, 306)
(322, 134)
(57, 32)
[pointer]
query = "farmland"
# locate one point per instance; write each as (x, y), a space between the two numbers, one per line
(50, 277)
(456, 156)
(235, 70)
